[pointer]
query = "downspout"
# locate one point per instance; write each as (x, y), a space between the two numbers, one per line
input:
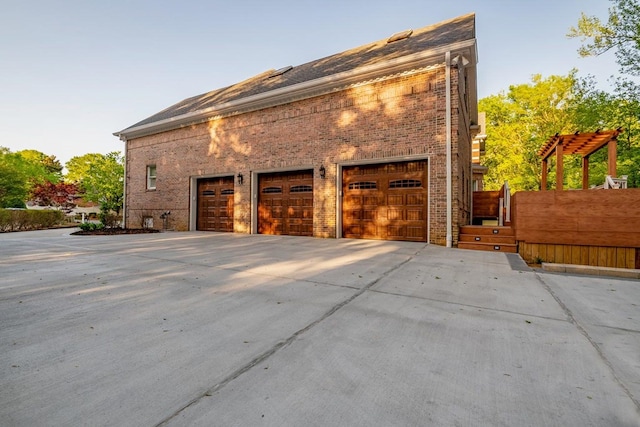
(448, 146)
(124, 188)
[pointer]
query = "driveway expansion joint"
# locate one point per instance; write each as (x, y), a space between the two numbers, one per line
(284, 343)
(594, 344)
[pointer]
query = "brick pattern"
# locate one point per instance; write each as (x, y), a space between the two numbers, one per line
(402, 116)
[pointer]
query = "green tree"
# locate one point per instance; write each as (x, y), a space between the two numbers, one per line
(596, 109)
(78, 167)
(41, 167)
(519, 122)
(104, 182)
(621, 33)
(14, 187)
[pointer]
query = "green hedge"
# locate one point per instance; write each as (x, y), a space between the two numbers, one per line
(25, 219)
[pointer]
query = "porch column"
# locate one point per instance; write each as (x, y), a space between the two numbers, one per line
(543, 184)
(585, 172)
(559, 166)
(613, 158)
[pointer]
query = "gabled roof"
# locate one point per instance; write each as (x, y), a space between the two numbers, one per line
(275, 87)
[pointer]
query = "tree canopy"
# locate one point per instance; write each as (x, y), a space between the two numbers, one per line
(78, 167)
(104, 181)
(20, 172)
(13, 180)
(620, 33)
(519, 122)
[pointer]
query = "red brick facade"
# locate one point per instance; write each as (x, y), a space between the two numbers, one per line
(398, 118)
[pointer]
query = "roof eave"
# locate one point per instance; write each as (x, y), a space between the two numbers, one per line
(304, 90)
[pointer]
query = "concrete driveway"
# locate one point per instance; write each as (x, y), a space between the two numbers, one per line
(213, 329)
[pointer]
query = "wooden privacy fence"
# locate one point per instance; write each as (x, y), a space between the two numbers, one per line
(588, 227)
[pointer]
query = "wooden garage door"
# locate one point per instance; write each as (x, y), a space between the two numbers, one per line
(215, 204)
(385, 201)
(286, 203)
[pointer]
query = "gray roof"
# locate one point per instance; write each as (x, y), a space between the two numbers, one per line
(431, 37)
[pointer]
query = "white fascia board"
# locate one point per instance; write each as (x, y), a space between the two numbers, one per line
(302, 90)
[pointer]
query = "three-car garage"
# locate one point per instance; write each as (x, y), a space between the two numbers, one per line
(387, 201)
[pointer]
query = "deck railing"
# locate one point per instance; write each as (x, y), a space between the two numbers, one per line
(494, 205)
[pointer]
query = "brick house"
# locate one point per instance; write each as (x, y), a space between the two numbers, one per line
(374, 142)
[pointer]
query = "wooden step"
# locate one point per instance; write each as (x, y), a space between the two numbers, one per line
(504, 247)
(488, 238)
(484, 230)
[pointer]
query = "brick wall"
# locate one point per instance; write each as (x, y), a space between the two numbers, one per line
(400, 117)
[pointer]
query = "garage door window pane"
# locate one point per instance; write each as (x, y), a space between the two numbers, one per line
(405, 183)
(301, 189)
(363, 185)
(272, 190)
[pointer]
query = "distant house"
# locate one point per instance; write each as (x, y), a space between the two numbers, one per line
(374, 142)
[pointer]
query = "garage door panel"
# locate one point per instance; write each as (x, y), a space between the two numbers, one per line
(415, 215)
(395, 214)
(395, 232)
(215, 204)
(416, 199)
(416, 233)
(385, 201)
(285, 203)
(396, 199)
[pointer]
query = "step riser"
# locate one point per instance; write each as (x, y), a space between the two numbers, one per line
(478, 230)
(488, 247)
(487, 239)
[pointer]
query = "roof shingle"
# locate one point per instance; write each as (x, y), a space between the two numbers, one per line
(431, 37)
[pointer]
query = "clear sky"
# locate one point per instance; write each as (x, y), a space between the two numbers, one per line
(73, 72)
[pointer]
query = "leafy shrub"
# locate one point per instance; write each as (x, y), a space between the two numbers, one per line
(91, 226)
(109, 219)
(25, 219)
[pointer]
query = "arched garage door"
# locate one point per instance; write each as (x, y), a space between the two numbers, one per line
(285, 203)
(215, 204)
(385, 201)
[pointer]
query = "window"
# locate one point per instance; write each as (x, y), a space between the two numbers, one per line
(272, 190)
(301, 189)
(405, 183)
(363, 185)
(151, 177)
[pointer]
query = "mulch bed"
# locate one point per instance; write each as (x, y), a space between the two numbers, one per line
(115, 231)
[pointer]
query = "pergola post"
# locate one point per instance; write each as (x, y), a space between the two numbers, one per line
(584, 144)
(613, 157)
(585, 173)
(559, 166)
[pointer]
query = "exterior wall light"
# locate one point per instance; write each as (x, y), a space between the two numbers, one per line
(323, 172)
(240, 178)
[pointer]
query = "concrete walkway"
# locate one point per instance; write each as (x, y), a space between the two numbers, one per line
(213, 329)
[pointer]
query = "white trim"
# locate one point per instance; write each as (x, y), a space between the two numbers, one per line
(409, 64)
(449, 235)
(124, 185)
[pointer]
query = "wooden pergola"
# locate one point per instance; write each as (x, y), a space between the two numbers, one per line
(584, 144)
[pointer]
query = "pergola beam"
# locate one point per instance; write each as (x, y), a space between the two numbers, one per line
(584, 144)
